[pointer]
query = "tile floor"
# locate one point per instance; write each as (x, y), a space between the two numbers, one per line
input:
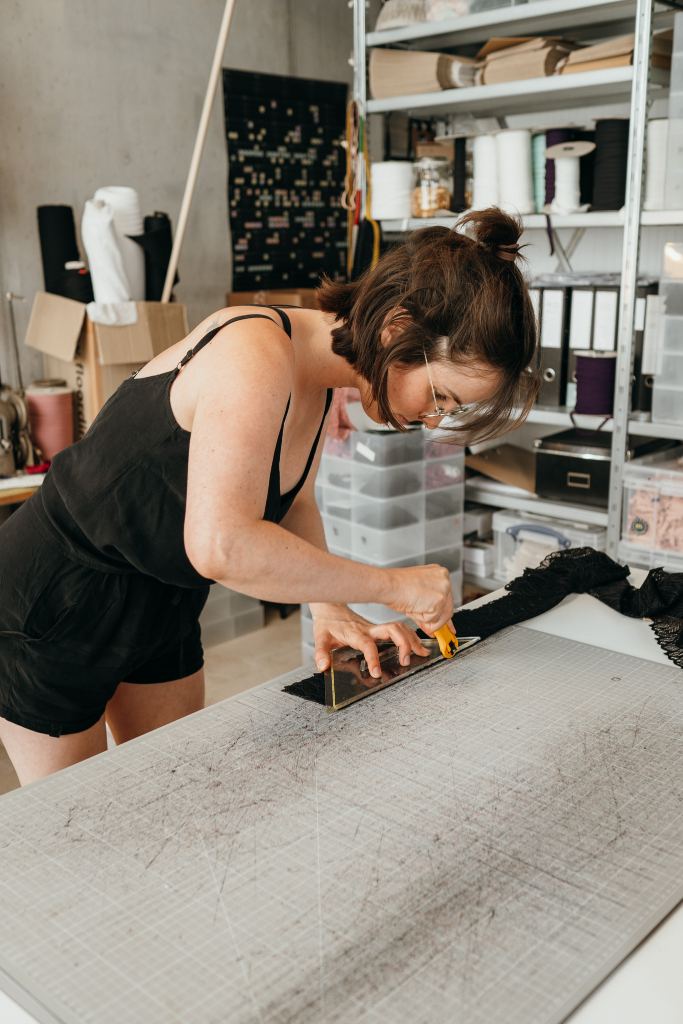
(230, 668)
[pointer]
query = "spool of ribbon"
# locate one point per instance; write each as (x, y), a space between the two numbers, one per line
(566, 157)
(51, 415)
(595, 375)
(515, 181)
(484, 172)
(552, 138)
(611, 142)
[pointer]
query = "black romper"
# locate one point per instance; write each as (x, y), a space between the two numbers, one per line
(95, 583)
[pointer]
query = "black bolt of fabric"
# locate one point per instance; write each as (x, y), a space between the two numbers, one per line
(57, 244)
(574, 571)
(157, 243)
(611, 150)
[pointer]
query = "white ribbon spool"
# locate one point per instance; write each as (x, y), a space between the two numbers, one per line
(655, 168)
(567, 177)
(515, 175)
(484, 172)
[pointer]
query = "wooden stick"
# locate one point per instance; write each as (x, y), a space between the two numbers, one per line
(198, 148)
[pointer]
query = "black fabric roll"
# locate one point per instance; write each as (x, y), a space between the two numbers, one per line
(77, 284)
(459, 176)
(57, 244)
(552, 138)
(611, 151)
(157, 242)
(586, 168)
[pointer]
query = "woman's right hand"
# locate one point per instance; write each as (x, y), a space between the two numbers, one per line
(423, 593)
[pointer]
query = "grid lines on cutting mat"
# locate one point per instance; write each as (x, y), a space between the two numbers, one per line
(483, 842)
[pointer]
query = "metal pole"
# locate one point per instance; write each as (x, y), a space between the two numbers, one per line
(198, 148)
(359, 79)
(629, 267)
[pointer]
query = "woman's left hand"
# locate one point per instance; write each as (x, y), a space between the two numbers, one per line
(335, 625)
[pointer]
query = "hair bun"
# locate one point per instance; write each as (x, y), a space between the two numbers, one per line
(495, 230)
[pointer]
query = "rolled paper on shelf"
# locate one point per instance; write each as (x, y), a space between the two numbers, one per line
(392, 184)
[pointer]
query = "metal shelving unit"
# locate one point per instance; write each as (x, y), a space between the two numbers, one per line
(639, 84)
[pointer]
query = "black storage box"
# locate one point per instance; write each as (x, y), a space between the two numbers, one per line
(574, 465)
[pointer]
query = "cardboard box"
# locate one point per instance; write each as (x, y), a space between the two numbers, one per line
(508, 464)
(94, 359)
(304, 297)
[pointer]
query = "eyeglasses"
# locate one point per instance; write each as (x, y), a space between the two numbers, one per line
(439, 411)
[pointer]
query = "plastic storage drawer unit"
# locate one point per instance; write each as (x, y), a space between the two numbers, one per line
(523, 539)
(653, 503)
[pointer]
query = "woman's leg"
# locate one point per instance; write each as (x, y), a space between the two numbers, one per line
(35, 755)
(137, 708)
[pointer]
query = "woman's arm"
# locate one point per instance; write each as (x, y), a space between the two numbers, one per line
(245, 380)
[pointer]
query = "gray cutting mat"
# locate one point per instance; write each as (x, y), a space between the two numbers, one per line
(481, 843)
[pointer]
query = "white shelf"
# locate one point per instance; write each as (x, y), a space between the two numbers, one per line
(537, 221)
(644, 428)
(530, 95)
(502, 496)
(536, 18)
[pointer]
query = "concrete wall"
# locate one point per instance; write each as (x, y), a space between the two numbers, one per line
(96, 92)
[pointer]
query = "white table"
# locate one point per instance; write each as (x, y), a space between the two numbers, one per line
(649, 984)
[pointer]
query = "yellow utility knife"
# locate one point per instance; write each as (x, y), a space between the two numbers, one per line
(448, 641)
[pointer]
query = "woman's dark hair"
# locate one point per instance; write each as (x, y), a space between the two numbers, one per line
(461, 287)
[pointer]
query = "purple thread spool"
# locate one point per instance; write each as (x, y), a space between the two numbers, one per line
(595, 375)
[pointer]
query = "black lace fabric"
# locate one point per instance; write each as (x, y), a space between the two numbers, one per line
(573, 571)
(585, 571)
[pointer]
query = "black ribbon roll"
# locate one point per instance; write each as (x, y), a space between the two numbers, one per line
(459, 176)
(57, 244)
(156, 242)
(611, 150)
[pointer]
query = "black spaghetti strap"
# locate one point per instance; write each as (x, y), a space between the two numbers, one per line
(214, 331)
(311, 455)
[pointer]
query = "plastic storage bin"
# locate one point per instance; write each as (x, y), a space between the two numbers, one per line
(523, 539)
(670, 368)
(387, 448)
(642, 558)
(667, 403)
(216, 630)
(653, 503)
(672, 332)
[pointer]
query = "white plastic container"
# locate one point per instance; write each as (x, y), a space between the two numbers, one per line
(641, 558)
(670, 368)
(667, 403)
(523, 539)
(671, 292)
(246, 621)
(387, 447)
(653, 503)
(672, 331)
